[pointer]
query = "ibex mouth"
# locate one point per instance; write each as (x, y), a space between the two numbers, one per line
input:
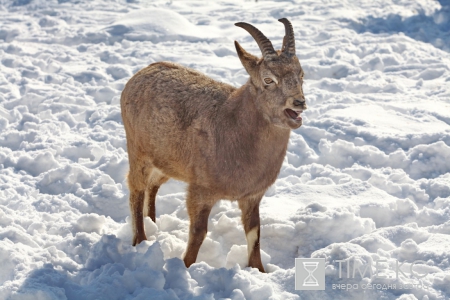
(294, 115)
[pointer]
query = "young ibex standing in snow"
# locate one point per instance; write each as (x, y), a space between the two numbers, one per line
(225, 142)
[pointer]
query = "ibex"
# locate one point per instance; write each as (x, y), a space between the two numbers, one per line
(225, 142)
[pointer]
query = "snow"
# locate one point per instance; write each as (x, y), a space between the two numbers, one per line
(367, 177)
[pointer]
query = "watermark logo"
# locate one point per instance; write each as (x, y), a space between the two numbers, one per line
(310, 274)
(382, 269)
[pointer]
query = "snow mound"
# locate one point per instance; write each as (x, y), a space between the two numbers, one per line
(158, 25)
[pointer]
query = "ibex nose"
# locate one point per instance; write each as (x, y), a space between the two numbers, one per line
(299, 102)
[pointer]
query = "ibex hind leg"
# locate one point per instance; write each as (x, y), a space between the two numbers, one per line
(155, 180)
(136, 206)
(137, 183)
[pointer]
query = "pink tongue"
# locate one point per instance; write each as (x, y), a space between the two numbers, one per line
(292, 113)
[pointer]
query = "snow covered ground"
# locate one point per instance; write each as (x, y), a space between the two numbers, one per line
(366, 178)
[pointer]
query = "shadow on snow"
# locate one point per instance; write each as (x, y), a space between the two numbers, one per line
(433, 29)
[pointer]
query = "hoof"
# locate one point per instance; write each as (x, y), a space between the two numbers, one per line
(259, 267)
(138, 239)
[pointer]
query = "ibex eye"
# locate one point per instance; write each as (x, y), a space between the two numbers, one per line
(268, 80)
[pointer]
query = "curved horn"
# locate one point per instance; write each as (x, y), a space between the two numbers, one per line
(264, 43)
(289, 39)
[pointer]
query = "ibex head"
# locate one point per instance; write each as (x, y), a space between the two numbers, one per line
(277, 77)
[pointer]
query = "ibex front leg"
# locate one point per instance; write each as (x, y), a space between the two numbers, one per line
(250, 220)
(199, 203)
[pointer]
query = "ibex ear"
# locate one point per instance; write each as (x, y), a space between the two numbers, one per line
(249, 61)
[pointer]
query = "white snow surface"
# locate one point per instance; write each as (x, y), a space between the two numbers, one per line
(366, 178)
